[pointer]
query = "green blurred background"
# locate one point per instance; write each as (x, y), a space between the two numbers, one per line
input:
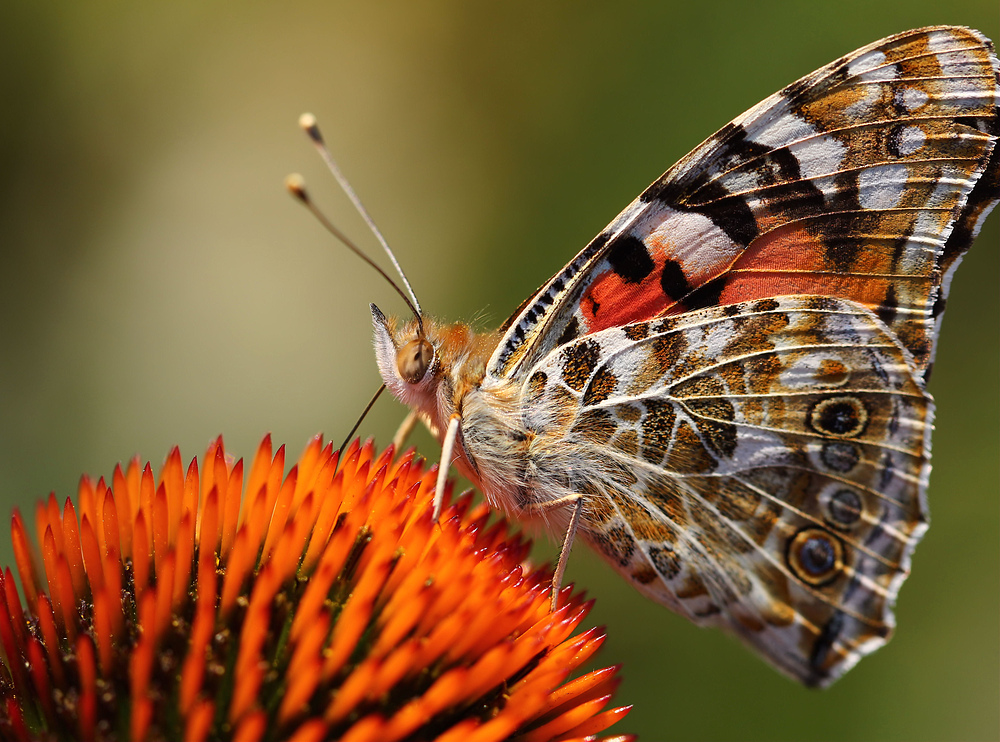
(158, 287)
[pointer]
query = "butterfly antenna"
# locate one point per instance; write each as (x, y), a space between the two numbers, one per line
(296, 185)
(308, 123)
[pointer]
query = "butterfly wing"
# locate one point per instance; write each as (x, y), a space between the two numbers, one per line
(732, 373)
(865, 180)
(759, 466)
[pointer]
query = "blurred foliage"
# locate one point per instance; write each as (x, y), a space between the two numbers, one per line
(158, 287)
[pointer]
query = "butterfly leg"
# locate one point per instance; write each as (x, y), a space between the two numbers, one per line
(444, 466)
(404, 430)
(576, 502)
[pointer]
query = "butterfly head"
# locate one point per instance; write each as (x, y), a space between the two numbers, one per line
(429, 365)
(407, 358)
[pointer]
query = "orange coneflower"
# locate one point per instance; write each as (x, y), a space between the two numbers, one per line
(324, 604)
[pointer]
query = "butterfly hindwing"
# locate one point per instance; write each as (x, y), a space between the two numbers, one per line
(758, 466)
(847, 183)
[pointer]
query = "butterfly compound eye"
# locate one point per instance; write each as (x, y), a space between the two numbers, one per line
(413, 360)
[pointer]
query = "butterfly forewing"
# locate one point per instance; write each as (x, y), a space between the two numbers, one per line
(847, 183)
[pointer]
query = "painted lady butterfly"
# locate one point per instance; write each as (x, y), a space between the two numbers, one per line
(725, 391)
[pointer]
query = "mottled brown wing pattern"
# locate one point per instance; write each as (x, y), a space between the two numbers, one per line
(865, 180)
(759, 466)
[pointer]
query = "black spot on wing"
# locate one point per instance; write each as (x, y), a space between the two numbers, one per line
(570, 332)
(889, 307)
(673, 281)
(630, 259)
(823, 646)
(706, 295)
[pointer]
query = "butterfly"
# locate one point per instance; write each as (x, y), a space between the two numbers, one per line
(724, 393)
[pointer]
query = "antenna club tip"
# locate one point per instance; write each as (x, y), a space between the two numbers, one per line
(296, 185)
(308, 124)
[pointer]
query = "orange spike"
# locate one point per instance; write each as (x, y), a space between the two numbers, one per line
(116, 538)
(354, 487)
(49, 553)
(39, 678)
(231, 508)
(209, 527)
(16, 719)
(113, 582)
(92, 507)
(310, 645)
(258, 617)
(318, 586)
(240, 560)
(13, 606)
(329, 501)
(351, 691)
(142, 715)
(159, 520)
(289, 548)
(562, 724)
(87, 706)
(300, 688)
(133, 481)
(258, 473)
(404, 613)
(465, 730)
(445, 691)
(314, 730)
(13, 648)
(207, 584)
(140, 556)
(50, 636)
(141, 661)
(193, 669)
(53, 520)
(598, 723)
(191, 489)
(245, 692)
(164, 593)
(491, 669)
(24, 558)
(593, 684)
(67, 601)
(74, 556)
(172, 482)
(91, 551)
(394, 668)
(307, 462)
(280, 513)
(274, 478)
(219, 471)
(319, 471)
(124, 502)
(251, 727)
(208, 477)
(355, 616)
(102, 631)
(199, 722)
(147, 490)
(504, 725)
(185, 555)
(256, 520)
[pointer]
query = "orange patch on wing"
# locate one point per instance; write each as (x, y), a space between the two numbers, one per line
(610, 301)
(790, 260)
